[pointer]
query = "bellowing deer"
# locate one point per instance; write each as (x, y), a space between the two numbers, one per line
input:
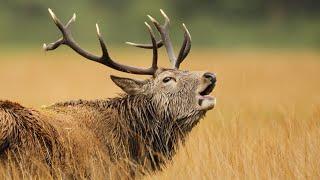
(143, 126)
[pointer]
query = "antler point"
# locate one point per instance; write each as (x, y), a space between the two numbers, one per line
(44, 46)
(98, 29)
(147, 24)
(130, 43)
(152, 19)
(186, 30)
(164, 15)
(74, 17)
(54, 17)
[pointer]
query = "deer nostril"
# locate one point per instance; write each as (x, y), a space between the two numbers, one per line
(211, 77)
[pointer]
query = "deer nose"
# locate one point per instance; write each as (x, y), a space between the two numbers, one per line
(211, 76)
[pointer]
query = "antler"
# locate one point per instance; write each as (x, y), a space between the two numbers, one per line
(165, 40)
(146, 46)
(105, 59)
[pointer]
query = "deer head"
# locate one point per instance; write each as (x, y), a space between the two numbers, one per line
(180, 93)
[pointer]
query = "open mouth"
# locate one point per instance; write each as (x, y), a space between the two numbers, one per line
(207, 90)
(206, 101)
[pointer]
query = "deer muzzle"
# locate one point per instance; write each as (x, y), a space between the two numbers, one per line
(205, 101)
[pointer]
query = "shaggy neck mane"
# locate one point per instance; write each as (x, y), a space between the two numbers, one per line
(149, 132)
(152, 133)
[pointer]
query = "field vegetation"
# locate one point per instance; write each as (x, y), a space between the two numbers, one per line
(266, 124)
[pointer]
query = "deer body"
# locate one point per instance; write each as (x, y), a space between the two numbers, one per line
(143, 126)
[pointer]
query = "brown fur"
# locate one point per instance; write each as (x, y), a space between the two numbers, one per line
(28, 137)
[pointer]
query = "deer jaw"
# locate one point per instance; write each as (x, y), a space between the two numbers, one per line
(205, 101)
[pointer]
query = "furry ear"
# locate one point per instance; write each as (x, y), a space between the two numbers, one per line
(130, 86)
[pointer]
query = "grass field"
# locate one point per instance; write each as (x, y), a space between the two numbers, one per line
(266, 123)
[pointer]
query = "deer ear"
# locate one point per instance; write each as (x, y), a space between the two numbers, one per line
(130, 86)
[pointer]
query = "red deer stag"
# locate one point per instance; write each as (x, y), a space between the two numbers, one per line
(141, 127)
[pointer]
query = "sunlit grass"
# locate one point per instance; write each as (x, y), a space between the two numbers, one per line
(266, 124)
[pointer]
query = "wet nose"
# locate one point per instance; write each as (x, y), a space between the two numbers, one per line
(211, 76)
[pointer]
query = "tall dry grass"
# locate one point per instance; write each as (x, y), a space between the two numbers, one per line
(266, 124)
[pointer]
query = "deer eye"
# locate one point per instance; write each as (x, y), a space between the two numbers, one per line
(167, 79)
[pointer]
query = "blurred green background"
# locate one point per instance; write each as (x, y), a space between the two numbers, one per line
(212, 23)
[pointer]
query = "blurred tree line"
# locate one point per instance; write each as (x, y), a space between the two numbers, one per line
(219, 23)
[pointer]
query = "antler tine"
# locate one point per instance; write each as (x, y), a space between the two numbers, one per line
(159, 44)
(103, 46)
(186, 46)
(164, 32)
(154, 45)
(105, 59)
(73, 19)
(167, 20)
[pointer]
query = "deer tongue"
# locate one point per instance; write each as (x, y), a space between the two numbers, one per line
(208, 97)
